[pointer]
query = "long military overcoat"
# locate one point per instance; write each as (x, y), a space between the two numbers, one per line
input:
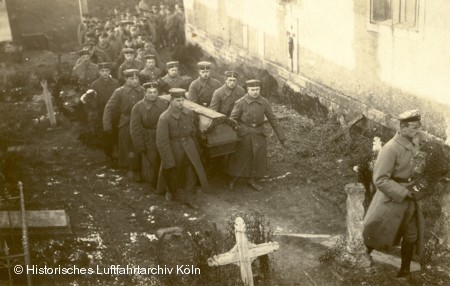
(201, 91)
(143, 123)
(176, 137)
(122, 102)
(390, 209)
(223, 99)
(250, 158)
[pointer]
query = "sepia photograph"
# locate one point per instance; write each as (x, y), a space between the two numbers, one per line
(224, 142)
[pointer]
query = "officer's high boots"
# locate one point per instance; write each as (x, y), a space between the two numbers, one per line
(407, 252)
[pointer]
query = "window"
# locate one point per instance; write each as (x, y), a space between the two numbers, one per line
(398, 13)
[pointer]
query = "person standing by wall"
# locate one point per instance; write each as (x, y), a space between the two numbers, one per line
(394, 213)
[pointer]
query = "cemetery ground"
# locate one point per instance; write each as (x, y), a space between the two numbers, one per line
(114, 221)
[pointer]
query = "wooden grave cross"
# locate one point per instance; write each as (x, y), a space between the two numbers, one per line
(243, 253)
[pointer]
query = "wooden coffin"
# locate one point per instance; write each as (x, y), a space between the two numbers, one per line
(217, 136)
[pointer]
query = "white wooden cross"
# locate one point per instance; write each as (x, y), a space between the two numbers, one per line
(243, 253)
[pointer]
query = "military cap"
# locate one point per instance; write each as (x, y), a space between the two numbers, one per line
(172, 64)
(105, 65)
(231, 74)
(150, 57)
(177, 92)
(152, 84)
(83, 52)
(131, 73)
(126, 22)
(410, 116)
(128, 51)
(204, 65)
(253, 83)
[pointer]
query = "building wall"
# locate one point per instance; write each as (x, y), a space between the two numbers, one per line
(377, 70)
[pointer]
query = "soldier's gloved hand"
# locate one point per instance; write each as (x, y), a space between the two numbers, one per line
(418, 190)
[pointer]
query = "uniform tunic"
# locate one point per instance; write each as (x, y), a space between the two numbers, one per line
(104, 89)
(143, 123)
(174, 82)
(147, 75)
(223, 99)
(201, 91)
(250, 158)
(121, 103)
(391, 211)
(176, 144)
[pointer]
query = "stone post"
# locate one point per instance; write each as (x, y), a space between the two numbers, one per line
(355, 250)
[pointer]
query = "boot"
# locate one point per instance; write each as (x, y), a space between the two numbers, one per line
(407, 252)
(252, 183)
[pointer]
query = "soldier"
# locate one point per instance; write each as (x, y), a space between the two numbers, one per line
(395, 212)
(122, 102)
(85, 71)
(202, 89)
(103, 46)
(250, 158)
(223, 99)
(172, 79)
(171, 27)
(130, 63)
(150, 72)
(104, 86)
(180, 159)
(143, 123)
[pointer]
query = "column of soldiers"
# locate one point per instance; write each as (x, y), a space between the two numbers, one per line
(157, 142)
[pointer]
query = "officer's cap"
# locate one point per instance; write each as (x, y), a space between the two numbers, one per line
(128, 51)
(410, 116)
(204, 65)
(172, 64)
(177, 92)
(131, 73)
(231, 74)
(152, 84)
(253, 83)
(105, 65)
(150, 57)
(83, 52)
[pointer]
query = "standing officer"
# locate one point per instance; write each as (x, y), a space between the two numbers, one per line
(201, 89)
(122, 102)
(180, 159)
(395, 212)
(172, 79)
(144, 119)
(223, 99)
(250, 158)
(130, 63)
